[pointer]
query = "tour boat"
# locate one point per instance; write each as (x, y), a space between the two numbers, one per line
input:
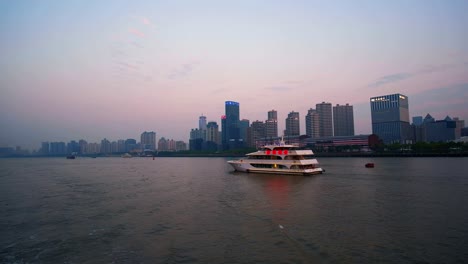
(279, 159)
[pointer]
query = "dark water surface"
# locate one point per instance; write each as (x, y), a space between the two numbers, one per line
(196, 210)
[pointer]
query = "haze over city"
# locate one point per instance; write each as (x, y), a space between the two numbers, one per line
(95, 69)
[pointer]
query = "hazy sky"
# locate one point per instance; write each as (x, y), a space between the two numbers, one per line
(95, 69)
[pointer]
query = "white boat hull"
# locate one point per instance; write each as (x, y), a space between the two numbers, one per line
(244, 166)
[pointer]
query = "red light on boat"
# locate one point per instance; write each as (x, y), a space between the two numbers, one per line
(285, 152)
(267, 152)
(274, 152)
(279, 152)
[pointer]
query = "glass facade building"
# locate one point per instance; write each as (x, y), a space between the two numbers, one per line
(230, 125)
(390, 118)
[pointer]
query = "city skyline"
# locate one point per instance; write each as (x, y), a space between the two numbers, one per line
(111, 69)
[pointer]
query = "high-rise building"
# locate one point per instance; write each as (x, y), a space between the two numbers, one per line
(258, 130)
(273, 114)
(417, 120)
(312, 123)
(271, 124)
(244, 125)
(230, 126)
(292, 124)
(202, 122)
(390, 118)
(83, 146)
(130, 144)
(163, 144)
(73, 147)
(324, 111)
(105, 146)
(148, 140)
(45, 148)
(58, 148)
(212, 136)
(343, 120)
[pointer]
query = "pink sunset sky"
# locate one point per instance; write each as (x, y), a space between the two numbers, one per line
(90, 70)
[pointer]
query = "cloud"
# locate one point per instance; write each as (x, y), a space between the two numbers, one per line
(182, 71)
(279, 88)
(442, 101)
(145, 21)
(390, 79)
(136, 32)
(397, 77)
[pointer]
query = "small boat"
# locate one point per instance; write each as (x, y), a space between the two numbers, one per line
(279, 159)
(126, 155)
(71, 157)
(369, 165)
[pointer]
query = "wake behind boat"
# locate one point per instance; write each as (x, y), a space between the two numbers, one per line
(279, 159)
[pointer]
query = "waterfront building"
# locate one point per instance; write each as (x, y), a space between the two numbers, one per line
(312, 123)
(93, 148)
(163, 144)
(114, 147)
(181, 146)
(212, 136)
(148, 140)
(343, 120)
(258, 131)
(324, 111)
(292, 124)
(390, 118)
(230, 126)
(73, 147)
(417, 120)
(58, 148)
(83, 146)
(105, 146)
(271, 124)
(244, 125)
(45, 149)
(202, 122)
(120, 145)
(444, 130)
(130, 145)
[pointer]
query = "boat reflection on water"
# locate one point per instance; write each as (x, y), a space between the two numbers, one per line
(278, 191)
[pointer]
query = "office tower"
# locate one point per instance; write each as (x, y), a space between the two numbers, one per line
(105, 146)
(390, 118)
(83, 146)
(202, 122)
(58, 148)
(324, 111)
(120, 145)
(148, 140)
(292, 124)
(258, 131)
(272, 115)
(271, 124)
(45, 148)
(212, 136)
(343, 120)
(196, 139)
(163, 144)
(181, 146)
(130, 144)
(243, 128)
(312, 123)
(230, 125)
(417, 120)
(73, 147)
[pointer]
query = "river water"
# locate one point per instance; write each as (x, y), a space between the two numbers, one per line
(197, 210)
